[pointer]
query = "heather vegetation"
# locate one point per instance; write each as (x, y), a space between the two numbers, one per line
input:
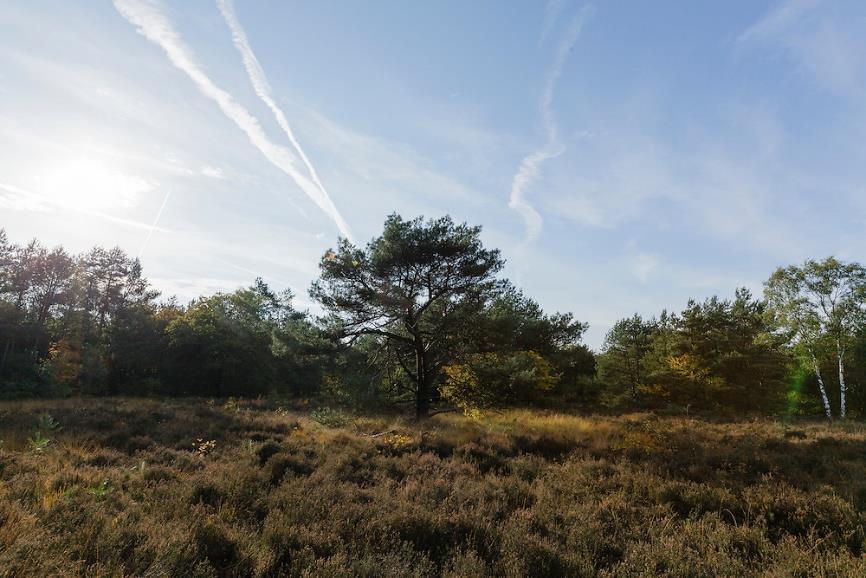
(191, 487)
(430, 420)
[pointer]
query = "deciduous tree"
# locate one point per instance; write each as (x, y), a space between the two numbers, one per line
(816, 304)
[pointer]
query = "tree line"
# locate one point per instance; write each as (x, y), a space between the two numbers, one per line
(422, 317)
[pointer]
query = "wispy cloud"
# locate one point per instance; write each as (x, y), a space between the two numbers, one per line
(827, 46)
(262, 87)
(393, 174)
(19, 198)
(643, 265)
(213, 172)
(298, 297)
(188, 289)
(779, 19)
(13, 197)
(530, 167)
(150, 22)
(710, 188)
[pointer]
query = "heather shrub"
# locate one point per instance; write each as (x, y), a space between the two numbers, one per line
(124, 489)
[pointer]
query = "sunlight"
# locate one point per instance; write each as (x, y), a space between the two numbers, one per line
(89, 184)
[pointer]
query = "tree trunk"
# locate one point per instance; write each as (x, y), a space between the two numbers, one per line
(422, 401)
(822, 388)
(5, 355)
(422, 395)
(840, 354)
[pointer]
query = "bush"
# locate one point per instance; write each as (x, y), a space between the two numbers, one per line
(329, 417)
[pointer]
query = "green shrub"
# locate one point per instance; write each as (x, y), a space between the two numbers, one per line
(329, 417)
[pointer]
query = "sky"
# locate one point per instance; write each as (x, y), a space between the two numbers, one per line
(624, 156)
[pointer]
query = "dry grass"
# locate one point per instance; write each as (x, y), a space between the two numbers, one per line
(189, 488)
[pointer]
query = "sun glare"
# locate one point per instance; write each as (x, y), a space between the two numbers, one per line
(90, 185)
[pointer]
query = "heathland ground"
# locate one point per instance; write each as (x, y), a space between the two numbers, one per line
(197, 487)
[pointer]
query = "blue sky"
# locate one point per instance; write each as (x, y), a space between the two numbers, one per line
(625, 156)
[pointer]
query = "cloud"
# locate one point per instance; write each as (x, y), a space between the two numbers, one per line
(385, 168)
(17, 198)
(643, 266)
(530, 167)
(829, 48)
(778, 20)
(582, 209)
(89, 182)
(213, 172)
(729, 180)
(188, 289)
(153, 25)
(613, 178)
(527, 173)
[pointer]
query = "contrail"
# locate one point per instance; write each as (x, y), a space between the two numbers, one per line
(155, 223)
(260, 82)
(530, 166)
(551, 13)
(150, 22)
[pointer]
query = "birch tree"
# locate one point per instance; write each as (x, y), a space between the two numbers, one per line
(820, 305)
